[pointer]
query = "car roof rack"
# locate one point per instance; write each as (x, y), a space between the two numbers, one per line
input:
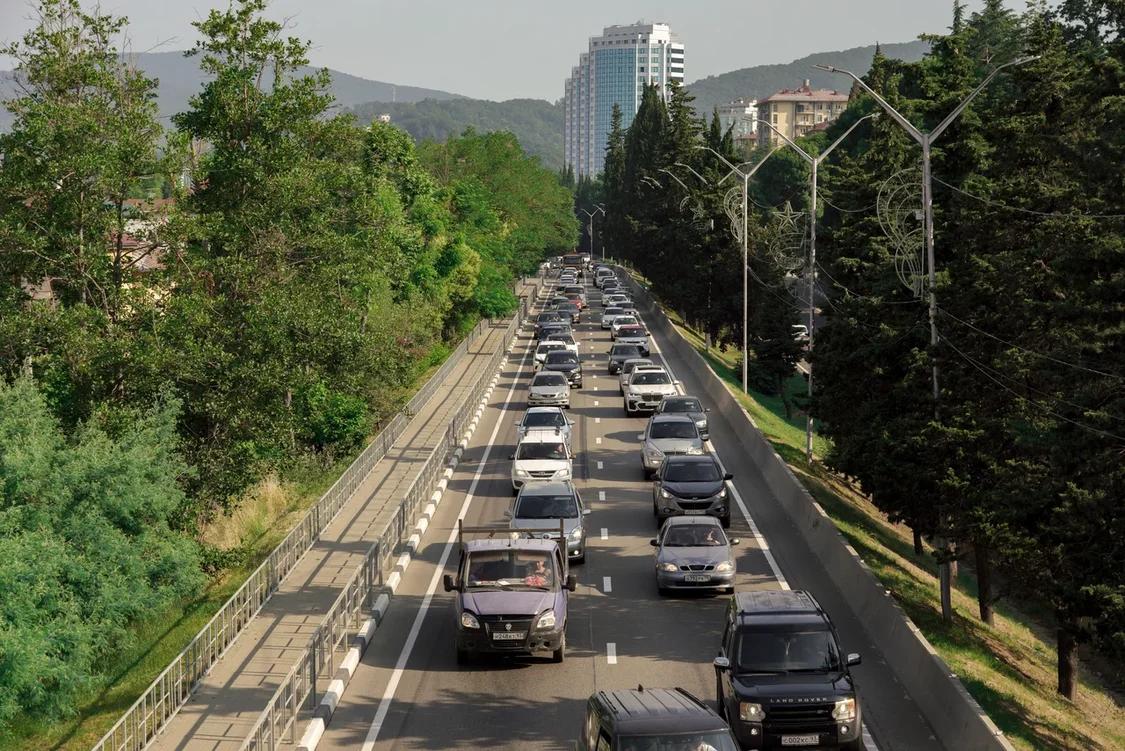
(502, 532)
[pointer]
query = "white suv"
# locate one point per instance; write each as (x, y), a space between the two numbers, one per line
(541, 455)
(645, 389)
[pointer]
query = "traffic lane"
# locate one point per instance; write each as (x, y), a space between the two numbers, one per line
(890, 713)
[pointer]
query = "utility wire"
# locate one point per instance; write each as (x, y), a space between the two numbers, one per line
(820, 196)
(1009, 207)
(1029, 351)
(984, 370)
(862, 297)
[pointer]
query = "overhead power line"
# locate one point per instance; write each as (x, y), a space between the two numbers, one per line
(865, 209)
(1020, 209)
(1056, 360)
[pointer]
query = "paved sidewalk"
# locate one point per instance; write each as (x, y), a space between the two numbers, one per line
(227, 702)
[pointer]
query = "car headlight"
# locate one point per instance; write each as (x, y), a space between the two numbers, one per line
(653, 453)
(576, 534)
(669, 567)
(546, 620)
(724, 567)
(750, 712)
(468, 620)
(521, 473)
(722, 492)
(695, 451)
(844, 710)
(563, 473)
(664, 493)
(701, 423)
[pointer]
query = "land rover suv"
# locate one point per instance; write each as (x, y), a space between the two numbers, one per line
(781, 678)
(645, 719)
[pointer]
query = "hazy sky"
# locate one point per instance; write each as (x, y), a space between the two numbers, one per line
(501, 49)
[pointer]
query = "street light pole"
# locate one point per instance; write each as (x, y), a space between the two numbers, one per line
(590, 227)
(814, 163)
(737, 170)
(926, 141)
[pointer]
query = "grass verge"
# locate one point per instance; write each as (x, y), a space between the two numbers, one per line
(1009, 668)
(269, 511)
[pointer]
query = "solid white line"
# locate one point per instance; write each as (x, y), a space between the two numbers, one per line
(601, 495)
(759, 538)
(416, 628)
(607, 584)
(605, 533)
(611, 653)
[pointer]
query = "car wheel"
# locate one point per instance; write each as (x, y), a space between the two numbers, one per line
(856, 745)
(628, 412)
(560, 654)
(725, 521)
(662, 591)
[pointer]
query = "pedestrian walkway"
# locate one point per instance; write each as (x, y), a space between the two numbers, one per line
(227, 702)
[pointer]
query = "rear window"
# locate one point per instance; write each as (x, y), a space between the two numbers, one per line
(673, 429)
(549, 379)
(655, 378)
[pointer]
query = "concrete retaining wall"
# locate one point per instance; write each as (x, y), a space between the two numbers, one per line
(956, 718)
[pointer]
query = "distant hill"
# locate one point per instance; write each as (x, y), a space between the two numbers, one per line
(537, 124)
(760, 81)
(180, 78)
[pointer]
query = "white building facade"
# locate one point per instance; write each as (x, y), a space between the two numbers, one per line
(614, 70)
(742, 115)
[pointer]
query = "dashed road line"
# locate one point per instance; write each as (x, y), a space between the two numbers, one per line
(607, 584)
(611, 653)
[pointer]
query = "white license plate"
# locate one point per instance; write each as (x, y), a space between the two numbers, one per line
(697, 578)
(799, 740)
(695, 511)
(509, 635)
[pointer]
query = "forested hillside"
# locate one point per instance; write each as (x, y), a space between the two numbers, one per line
(536, 123)
(266, 319)
(762, 80)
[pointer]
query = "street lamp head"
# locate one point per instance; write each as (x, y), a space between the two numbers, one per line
(1024, 59)
(822, 66)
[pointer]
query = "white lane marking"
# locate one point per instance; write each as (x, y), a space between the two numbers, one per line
(607, 584)
(605, 533)
(601, 465)
(610, 654)
(416, 628)
(597, 419)
(601, 495)
(595, 402)
(598, 440)
(759, 538)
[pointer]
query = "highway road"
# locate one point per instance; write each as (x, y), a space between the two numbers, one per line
(409, 693)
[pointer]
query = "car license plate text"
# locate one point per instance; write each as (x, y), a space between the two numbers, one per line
(694, 511)
(697, 578)
(799, 740)
(509, 635)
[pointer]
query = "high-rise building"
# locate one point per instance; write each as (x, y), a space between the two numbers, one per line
(614, 70)
(797, 112)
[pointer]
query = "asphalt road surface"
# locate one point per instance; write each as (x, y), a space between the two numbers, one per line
(409, 693)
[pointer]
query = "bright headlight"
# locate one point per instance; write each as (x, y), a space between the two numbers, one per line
(521, 473)
(563, 473)
(750, 712)
(723, 492)
(546, 620)
(468, 620)
(669, 567)
(844, 710)
(664, 493)
(725, 566)
(576, 534)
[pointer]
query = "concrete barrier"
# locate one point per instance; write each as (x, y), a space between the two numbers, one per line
(956, 718)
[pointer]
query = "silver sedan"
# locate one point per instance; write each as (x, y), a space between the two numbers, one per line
(693, 552)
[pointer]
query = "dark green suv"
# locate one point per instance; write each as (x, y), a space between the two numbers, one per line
(781, 678)
(653, 719)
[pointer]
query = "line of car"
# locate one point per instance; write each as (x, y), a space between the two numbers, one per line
(780, 678)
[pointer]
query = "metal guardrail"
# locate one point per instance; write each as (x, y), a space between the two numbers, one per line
(170, 690)
(276, 722)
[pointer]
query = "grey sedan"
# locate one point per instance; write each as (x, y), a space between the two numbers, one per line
(693, 552)
(668, 435)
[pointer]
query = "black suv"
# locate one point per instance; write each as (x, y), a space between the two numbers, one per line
(654, 718)
(619, 353)
(566, 362)
(780, 676)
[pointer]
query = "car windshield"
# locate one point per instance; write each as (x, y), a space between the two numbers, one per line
(562, 357)
(549, 379)
(544, 420)
(631, 331)
(681, 405)
(545, 348)
(718, 740)
(509, 569)
(554, 451)
(654, 378)
(548, 318)
(672, 429)
(624, 351)
(611, 311)
(546, 507)
(786, 652)
(692, 472)
(694, 536)
(624, 321)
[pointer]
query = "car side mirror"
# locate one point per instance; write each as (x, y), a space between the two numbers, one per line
(721, 663)
(508, 514)
(571, 582)
(706, 409)
(653, 542)
(677, 383)
(586, 511)
(728, 476)
(450, 585)
(735, 541)
(640, 436)
(854, 659)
